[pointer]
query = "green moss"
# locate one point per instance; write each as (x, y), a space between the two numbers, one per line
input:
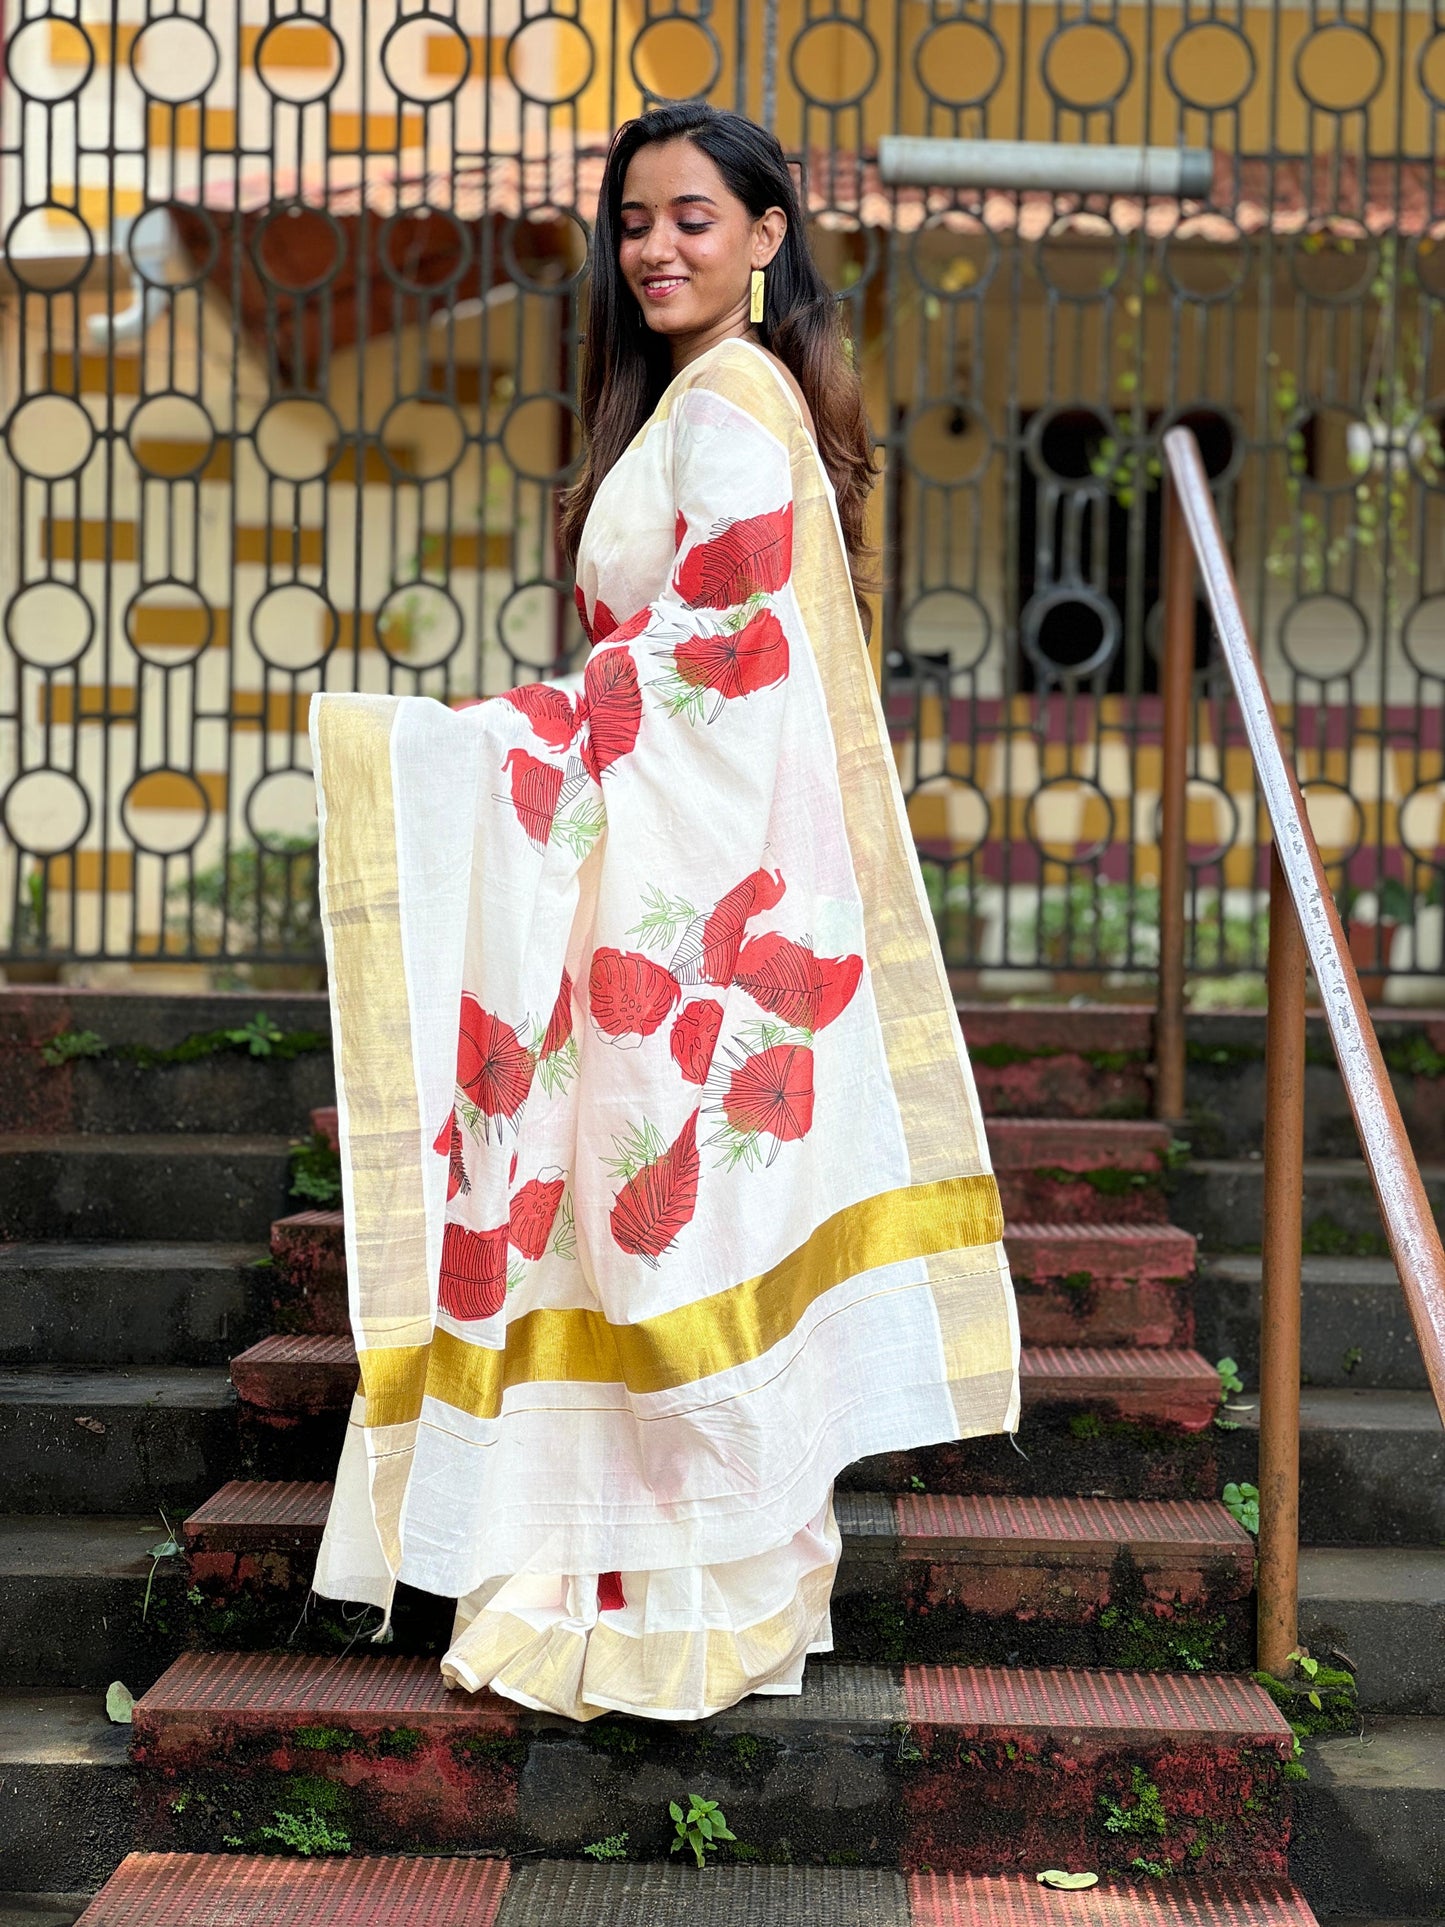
(1413, 1055)
(477, 1750)
(1222, 1055)
(610, 1736)
(316, 1171)
(400, 1743)
(1325, 1237)
(1158, 1644)
(751, 1753)
(1000, 1057)
(1078, 1284)
(1109, 1180)
(1338, 1710)
(303, 1792)
(1144, 1812)
(325, 1739)
(1086, 1425)
(1114, 1060)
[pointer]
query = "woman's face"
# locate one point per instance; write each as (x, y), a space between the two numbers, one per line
(689, 245)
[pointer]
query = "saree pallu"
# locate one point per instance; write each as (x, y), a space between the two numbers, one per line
(665, 1183)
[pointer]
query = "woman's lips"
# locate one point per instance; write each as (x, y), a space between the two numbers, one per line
(660, 289)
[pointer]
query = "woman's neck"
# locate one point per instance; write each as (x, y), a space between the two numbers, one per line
(687, 348)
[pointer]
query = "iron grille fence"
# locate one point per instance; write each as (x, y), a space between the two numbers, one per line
(289, 344)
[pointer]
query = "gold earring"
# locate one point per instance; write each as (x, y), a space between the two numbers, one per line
(755, 306)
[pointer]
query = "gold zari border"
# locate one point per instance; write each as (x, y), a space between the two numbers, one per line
(693, 1342)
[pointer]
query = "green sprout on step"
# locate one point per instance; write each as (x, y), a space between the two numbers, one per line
(169, 1548)
(315, 1171)
(67, 1045)
(1241, 1502)
(1229, 1380)
(614, 1847)
(700, 1828)
(259, 1036)
(1146, 1815)
(1310, 1668)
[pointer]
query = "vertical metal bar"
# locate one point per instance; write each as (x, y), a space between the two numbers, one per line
(1176, 683)
(1279, 1321)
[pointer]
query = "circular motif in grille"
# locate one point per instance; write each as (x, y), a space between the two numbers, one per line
(169, 623)
(1422, 823)
(151, 244)
(281, 77)
(422, 440)
(1219, 433)
(1204, 794)
(833, 62)
(1422, 636)
(959, 63)
(1062, 441)
(1431, 68)
(948, 441)
(1210, 65)
(1206, 258)
(1339, 67)
(1338, 440)
(846, 253)
(175, 810)
(1334, 260)
(175, 58)
(419, 625)
(524, 622)
(293, 627)
(48, 248)
(1336, 817)
(170, 436)
(1070, 632)
(947, 623)
(544, 249)
(281, 810)
(954, 255)
(49, 60)
(964, 809)
(298, 249)
(45, 811)
(424, 250)
(531, 425)
(50, 437)
(1324, 636)
(1430, 260)
(49, 625)
(426, 58)
(676, 47)
(550, 59)
(1069, 819)
(1087, 65)
(1078, 272)
(297, 440)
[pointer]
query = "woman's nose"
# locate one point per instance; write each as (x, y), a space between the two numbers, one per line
(659, 247)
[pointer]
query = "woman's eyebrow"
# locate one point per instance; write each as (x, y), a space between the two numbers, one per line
(678, 200)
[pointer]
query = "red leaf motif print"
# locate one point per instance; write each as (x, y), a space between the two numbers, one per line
(494, 1067)
(473, 1278)
(550, 712)
(449, 1143)
(694, 1038)
(750, 557)
(535, 788)
(629, 994)
(581, 602)
(559, 1025)
(679, 530)
(533, 1212)
(614, 709)
(653, 1207)
(772, 1091)
(723, 931)
(737, 663)
(788, 980)
(609, 1592)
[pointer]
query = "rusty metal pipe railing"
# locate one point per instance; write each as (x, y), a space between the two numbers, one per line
(1304, 927)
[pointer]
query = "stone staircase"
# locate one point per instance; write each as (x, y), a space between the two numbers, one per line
(1042, 1653)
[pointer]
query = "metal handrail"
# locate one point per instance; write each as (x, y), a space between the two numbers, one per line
(1304, 926)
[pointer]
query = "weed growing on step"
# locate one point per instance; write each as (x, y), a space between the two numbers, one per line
(1415, 1055)
(1326, 1238)
(307, 1832)
(67, 1045)
(1154, 1644)
(1325, 1700)
(315, 1172)
(259, 1036)
(614, 1847)
(1158, 1869)
(700, 1828)
(1241, 1502)
(325, 1739)
(1351, 1360)
(1146, 1813)
(169, 1548)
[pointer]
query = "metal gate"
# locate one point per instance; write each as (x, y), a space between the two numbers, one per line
(289, 340)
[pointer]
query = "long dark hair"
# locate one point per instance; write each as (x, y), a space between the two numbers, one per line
(626, 366)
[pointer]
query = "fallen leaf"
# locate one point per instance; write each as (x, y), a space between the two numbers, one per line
(1067, 1882)
(119, 1700)
(91, 1424)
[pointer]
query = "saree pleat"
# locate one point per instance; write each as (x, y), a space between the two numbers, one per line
(666, 1189)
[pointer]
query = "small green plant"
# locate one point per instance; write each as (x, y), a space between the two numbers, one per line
(1241, 1502)
(67, 1045)
(1229, 1380)
(614, 1847)
(169, 1548)
(1159, 1869)
(1310, 1668)
(915, 1484)
(316, 1171)
(699, 1829)
(1146, 1813)
(307, 1832)
(1351, 1360)
(259, 1037)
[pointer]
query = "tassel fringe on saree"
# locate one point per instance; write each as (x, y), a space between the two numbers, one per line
(665, 1182)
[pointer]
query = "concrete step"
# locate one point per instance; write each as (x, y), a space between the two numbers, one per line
(181, 1186)
(951, 1768)
(116, 1093)
(42, 1910)
(1383, 1608)
(1080, 1170)
(1077, 1284)
(1103, 1284)
(1370, 1821)
(1219, 1200)
(1372, 1466)
(67, 1791)
(131, 1304)
(216, 1890)
(1061, 1062)
(1356, 1330)
(72, 1596)
(976, 1580)
(129, 1440)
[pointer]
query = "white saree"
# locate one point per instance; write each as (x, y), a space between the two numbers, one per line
(691, 1206)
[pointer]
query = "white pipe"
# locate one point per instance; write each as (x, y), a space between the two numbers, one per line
(150, 256)
(1055, 166)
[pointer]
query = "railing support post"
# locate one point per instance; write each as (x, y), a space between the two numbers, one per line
(1176, 682)
(1279, 1321)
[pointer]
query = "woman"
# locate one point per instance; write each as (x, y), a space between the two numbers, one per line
(696, 1210)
